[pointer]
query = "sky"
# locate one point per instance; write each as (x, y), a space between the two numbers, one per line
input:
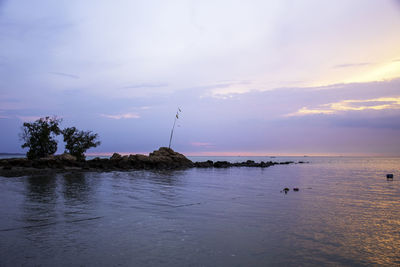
(251, 77)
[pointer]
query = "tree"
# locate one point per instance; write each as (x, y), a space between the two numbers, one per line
(77, 142)
(39, 137)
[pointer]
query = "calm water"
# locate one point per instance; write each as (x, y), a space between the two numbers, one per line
(345, 213)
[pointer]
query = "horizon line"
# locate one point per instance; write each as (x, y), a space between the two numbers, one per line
(250, 154)
(232, 154)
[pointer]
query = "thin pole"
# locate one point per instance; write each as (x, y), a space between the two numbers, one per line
(172, 132)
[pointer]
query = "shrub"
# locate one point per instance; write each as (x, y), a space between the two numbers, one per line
(39, 137)
(77, 142)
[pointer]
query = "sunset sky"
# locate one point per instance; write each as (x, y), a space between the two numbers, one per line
(251, 77)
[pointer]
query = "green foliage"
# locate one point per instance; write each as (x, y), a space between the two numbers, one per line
(77, 142)
(39, 137)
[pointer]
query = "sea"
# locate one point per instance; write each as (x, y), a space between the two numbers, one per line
(345, 213)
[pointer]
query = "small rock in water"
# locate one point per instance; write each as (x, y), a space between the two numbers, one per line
(389, 176)
(296, 189)
(285, 190)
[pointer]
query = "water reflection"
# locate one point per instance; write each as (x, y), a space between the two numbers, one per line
(41, 200)
(147, 189)
(345, 213)
(39, 217)
(55, 199)
(75, 187)
(41, 189)
(354, 221)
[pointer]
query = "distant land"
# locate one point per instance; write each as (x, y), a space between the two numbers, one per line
(8, 154)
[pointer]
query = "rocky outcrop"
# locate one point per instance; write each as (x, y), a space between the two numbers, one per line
(162, 159)
(166, 157)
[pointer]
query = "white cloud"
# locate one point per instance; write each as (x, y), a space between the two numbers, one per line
(380, 103)
(128, 115)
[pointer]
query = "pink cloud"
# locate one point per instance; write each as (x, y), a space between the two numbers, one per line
(202, 144)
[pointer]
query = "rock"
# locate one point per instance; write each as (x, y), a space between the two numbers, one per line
(204, 164)
(222, 164)
(166, 158)
(116, 156)
(139, 157)
(286, 162)
(7, 167)
(266, 164)
(251, 163)
(66, 156)
(138, 161)
(56, 161)
(285, 190)
(163, 158)
(124, 163)
(98, 163)
(389, 176)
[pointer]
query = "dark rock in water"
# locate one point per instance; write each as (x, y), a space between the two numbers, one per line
(222, 164)
(285, 190)
(286, 162)
(251, 163)
(296, 189)
(389, 176)
(204, 164)
(263, 164)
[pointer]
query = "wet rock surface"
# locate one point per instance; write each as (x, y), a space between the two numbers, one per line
(162, 159)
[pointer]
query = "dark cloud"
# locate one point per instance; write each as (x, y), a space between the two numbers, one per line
(390, 122)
